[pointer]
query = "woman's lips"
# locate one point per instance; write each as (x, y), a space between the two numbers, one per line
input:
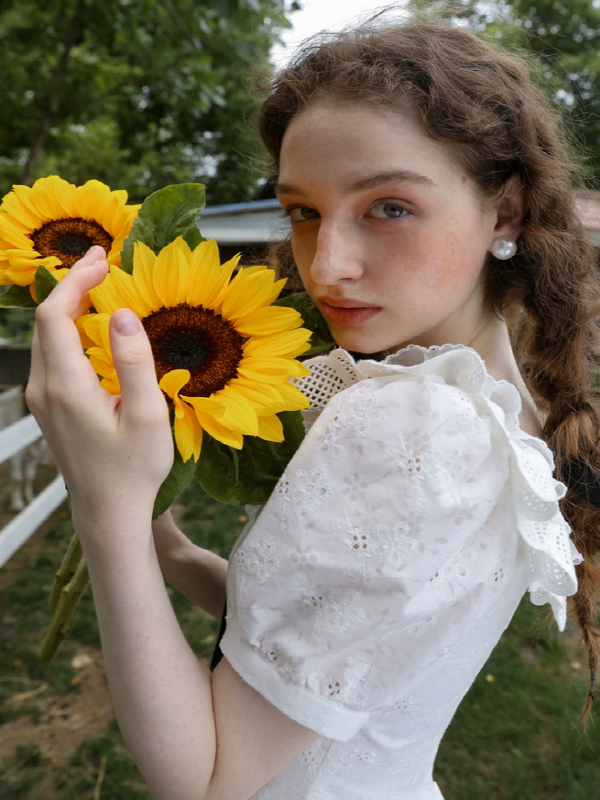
(347, 312)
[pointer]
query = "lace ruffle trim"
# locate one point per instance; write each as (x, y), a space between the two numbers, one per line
(551, 555)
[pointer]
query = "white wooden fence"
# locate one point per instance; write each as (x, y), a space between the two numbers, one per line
(13, 439)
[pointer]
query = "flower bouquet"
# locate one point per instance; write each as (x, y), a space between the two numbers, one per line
(225, 348)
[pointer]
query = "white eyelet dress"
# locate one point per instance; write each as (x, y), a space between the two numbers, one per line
(370, 590)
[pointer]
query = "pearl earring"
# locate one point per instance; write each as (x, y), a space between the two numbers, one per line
(504, 248)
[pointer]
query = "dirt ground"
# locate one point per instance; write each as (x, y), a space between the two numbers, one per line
(61, 723)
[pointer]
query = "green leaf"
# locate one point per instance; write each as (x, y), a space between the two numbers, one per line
(17, 297)
(165, 215)
(175, 482)
(44, 283)
(142, 230)
(260, 464)
(321, 339)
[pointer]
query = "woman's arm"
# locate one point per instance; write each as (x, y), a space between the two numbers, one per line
(194, 736)
(196, 573)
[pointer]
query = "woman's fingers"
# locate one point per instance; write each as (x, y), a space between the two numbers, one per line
(37, 377)
(134, 362)
(60, 344)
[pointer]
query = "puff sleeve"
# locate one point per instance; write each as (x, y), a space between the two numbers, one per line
(375, 553)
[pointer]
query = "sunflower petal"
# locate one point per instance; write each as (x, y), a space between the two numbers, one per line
(238, 413)
(246, 293)
(279, 344)
(271, 370)
(218, 431)
(92, 324)
(293, 398)
(19, 205)
(47, 196)
(188, 434)
(106, 298)
(208, 278)
(171, 274)
(262, 396)
(173, 382)
(143, 265)
(111, 217)
(13, 235)
(264, 321)
(255, 268)
(89, 198)
(270, 428)
(125, 287)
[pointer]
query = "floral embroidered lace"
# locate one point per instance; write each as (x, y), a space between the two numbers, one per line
(370, 590)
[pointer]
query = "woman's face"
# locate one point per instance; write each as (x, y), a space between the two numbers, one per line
(388, 233)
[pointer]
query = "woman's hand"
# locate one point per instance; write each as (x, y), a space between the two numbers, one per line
(113, 451)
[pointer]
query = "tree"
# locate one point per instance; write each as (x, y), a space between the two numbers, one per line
(564, 40)
(136, 93)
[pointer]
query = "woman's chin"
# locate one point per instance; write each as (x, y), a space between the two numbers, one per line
(359, 344)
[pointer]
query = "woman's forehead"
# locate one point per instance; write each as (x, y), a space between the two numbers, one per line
(360, 146)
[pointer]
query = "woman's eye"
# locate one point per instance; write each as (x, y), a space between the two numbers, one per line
(388, 211)
(302, 213)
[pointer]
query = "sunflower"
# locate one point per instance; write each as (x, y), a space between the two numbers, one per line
(53, 223)
(222, 353)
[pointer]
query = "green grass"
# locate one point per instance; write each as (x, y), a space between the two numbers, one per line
(24, 616)
(514, 738)
(511, 739)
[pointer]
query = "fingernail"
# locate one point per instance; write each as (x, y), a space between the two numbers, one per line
(126, 323)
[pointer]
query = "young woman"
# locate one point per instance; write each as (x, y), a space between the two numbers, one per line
(430, 203)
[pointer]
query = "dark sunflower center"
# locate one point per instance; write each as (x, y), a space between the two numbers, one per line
(184, 351)
(69, 239)
(196, 339)
(73, 245)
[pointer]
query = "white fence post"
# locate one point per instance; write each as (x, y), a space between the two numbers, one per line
(14, 438)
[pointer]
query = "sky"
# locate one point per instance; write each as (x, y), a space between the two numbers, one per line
(318, 15)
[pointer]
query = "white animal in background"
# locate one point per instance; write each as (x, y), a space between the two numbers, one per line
(24, 464)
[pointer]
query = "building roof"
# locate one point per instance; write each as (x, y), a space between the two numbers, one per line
(245, 223)
(263, 221)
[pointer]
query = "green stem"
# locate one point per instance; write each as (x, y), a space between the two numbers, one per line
(59, 626)
(66, 571)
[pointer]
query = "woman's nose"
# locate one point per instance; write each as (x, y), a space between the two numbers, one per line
(337, 256)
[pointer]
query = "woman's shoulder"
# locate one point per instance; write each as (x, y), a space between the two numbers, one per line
(431, 428)
(423, 385)
(424, 429)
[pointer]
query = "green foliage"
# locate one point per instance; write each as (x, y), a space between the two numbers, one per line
(250, 474)
(24, 614)
(44, 283)
(137, 94)
(514, 738)
(564, 40)
(165, 215)
(175, 482)
(313, 320)
(17, 297)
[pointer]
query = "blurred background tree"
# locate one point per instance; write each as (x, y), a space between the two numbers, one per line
(136, 93)
(564, 39)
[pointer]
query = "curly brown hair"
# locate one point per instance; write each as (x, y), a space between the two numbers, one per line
(482, 102)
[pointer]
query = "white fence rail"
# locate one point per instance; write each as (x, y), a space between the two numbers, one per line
(15, 437)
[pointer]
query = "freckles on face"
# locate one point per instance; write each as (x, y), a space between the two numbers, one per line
(381, 215)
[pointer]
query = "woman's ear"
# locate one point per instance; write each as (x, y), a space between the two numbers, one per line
(511, 209)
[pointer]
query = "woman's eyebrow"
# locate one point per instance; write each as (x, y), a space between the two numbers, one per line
(400, 175)
(372, 182)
